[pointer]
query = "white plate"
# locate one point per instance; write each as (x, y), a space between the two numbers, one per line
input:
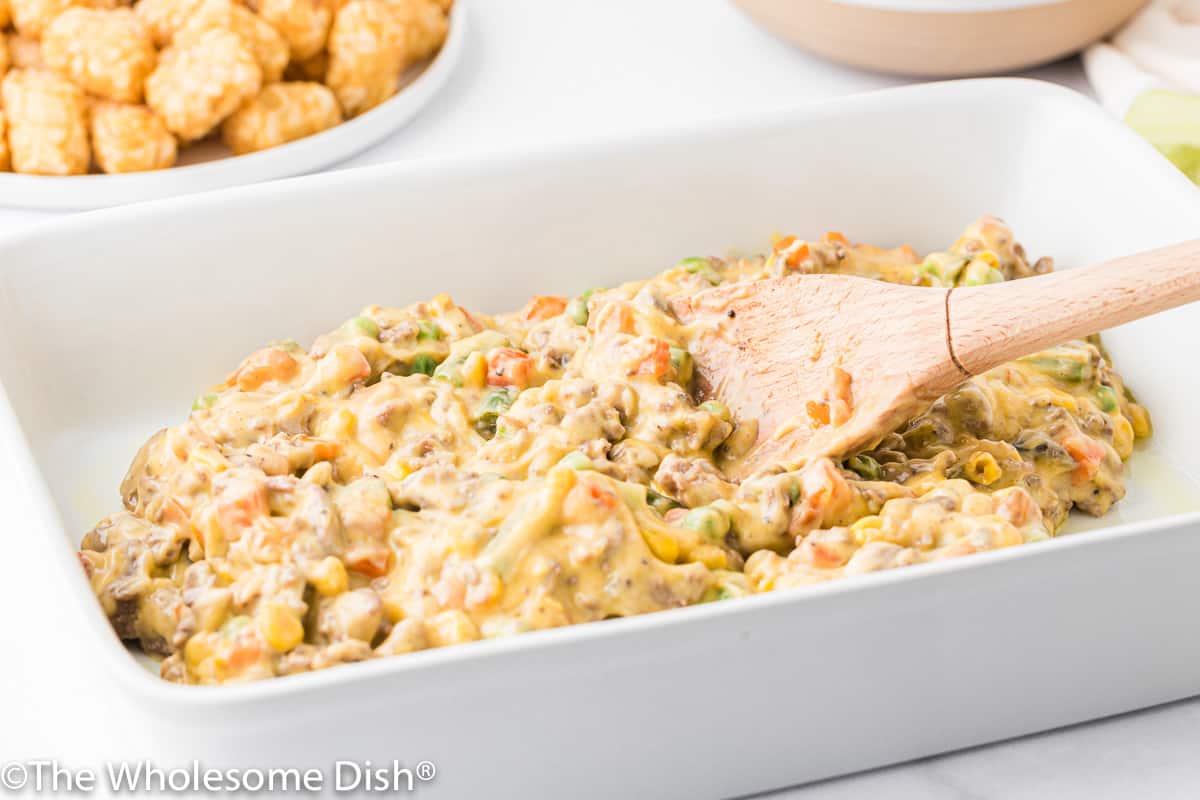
(210, 165)
(110, 321)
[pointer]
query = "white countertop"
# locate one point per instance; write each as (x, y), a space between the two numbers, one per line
(540, 71)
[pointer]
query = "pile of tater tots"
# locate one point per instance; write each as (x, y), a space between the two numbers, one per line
(102, 85)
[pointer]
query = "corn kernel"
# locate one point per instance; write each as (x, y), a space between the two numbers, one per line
(1140, 419)
(280, 627)
(664, 547)
(474, 370)
(981, 468)
(867, 528)
(989, 257)
(198, 649)
(329, 577)
(710, 556)
(1122, 437)
(450, 627)
(1057, 397)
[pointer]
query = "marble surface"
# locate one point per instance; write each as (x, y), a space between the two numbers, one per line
(540, 72)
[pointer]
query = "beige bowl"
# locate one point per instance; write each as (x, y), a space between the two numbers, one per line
(941, 43)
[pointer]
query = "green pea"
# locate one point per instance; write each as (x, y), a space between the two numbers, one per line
(588, 294)
(577, 461)
(681, 361)
(865, 466)
(205, 400)
(717, 409)
(428, 331)
(423, 363)
(364, 326)
(578, 311)
(708, 521)
(1106, 398)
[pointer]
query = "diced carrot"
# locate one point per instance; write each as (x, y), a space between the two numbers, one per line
(825, 556)
(656, 362)
(239, 503)
(372, 562)
(841, 400)
(345, 364)
(1088, 455)
(796, 256)
(508, 367)
(818, 412)
(542, 307)
(268, 364)
(614, 317)
(602, 496)
(322, 449)
(244, 654)
(836, 236)
(784, 242)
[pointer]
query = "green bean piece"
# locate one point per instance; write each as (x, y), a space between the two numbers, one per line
(364, 326)
(578, 311)
(980, 273)
(1066, 369)
(205, 400)
(717, 409)
(1106, 398)
(681, 361)
(422, 363)
(660, 502)
(428, 331)
(702, 267)
(865, 466)
(577, 461)
(708, 521)
(450, 370)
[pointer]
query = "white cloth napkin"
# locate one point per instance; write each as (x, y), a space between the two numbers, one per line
(1158, 49)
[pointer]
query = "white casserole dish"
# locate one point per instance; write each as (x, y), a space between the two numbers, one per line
(109, 322)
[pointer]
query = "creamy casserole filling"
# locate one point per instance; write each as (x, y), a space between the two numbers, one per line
(427, 476)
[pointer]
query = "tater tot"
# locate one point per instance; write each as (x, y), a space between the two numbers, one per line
(368, 50)
(282, 112)
(130, 138)
(106, 52)
(303, 23)
(425, 25)
(165, 17)
(32, 17)
(25, 53)
(47, 120)
(5, 162)
(267, 45)
(309, 69)
(5, 14)
(202, 80)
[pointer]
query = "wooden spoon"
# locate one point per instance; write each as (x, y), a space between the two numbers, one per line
(830, 364)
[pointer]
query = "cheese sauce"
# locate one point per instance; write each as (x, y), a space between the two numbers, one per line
(427, 476)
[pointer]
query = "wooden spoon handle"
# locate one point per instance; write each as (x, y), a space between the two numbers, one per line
(990, 325)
